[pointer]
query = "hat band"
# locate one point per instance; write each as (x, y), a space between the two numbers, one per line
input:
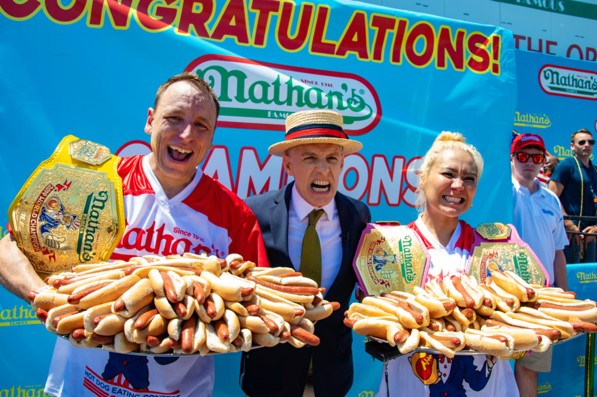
(316, 131)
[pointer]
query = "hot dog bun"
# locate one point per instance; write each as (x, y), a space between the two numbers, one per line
(390, 331)
(100, 319)
(134, 299)
(193, 336)
(493, 343)
(411, 342)
(407, 317)
(438, 306)
(47, 299)
(168, 284)
(121, 344)
(214, 342)
(238, 266)
(244, 341)
(505, 300)
(147, 322)
(64, 319)
(110, 292)
(447, 343)
(464, 292)
(82, 338)
(524, 338)
(539, 329)
(514, 284)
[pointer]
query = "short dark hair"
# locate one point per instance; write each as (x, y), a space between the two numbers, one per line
(193, 79)
(581, 131)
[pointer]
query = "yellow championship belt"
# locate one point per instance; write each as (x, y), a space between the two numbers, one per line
(389, 258)
(71, 209)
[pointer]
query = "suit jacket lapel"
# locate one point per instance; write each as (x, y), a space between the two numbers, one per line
(345, 218)
(345, 221)
(279, 222)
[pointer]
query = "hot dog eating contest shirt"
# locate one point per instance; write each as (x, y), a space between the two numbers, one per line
(423, 374)
(205, 217)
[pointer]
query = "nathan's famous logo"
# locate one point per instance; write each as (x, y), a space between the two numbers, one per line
(261, 95)
(406, 263)
(563, 81)
(586, 278)
(18, 315)
(90, 225)
(531, 120)
(23, 390)
(521, 264)
(544, 388)
(156, 239)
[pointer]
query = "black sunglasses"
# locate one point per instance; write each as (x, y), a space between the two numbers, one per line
(589, 141)
(523, 157)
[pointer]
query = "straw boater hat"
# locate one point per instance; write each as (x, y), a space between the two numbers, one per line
(315, 126)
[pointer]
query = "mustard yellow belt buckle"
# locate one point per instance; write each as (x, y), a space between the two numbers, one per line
(71, 209)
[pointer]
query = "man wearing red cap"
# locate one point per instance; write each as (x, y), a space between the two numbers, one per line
(313, 154)
(539, 221)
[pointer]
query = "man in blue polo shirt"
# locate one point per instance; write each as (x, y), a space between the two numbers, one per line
(574, 181)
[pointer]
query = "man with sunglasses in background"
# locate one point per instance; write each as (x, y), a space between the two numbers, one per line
(574, 181)
(539, 221)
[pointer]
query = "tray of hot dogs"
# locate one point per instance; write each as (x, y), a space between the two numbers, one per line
(181, 304)
(504, 316)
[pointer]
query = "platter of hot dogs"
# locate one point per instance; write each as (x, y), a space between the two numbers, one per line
(181, 304)
(504, 316)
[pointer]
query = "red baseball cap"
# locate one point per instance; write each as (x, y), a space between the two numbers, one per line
(527, 140)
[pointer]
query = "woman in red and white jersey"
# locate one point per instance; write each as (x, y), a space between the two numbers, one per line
(447, 185)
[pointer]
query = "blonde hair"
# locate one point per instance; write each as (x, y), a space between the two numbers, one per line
(446, 140)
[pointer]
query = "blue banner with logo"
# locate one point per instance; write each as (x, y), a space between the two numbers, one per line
(557, 97)
(91, 69)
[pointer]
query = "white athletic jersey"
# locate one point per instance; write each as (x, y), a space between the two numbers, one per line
(204, 217)
(465, 375)
(539, 221)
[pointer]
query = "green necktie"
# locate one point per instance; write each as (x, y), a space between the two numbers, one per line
(311, 252)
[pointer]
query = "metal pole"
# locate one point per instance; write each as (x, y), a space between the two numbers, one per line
(589, 358)
(385, 369)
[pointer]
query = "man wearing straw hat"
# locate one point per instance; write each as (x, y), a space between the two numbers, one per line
(313, 154)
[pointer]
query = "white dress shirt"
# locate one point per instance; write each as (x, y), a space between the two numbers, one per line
(538, 220)
(328, 229)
